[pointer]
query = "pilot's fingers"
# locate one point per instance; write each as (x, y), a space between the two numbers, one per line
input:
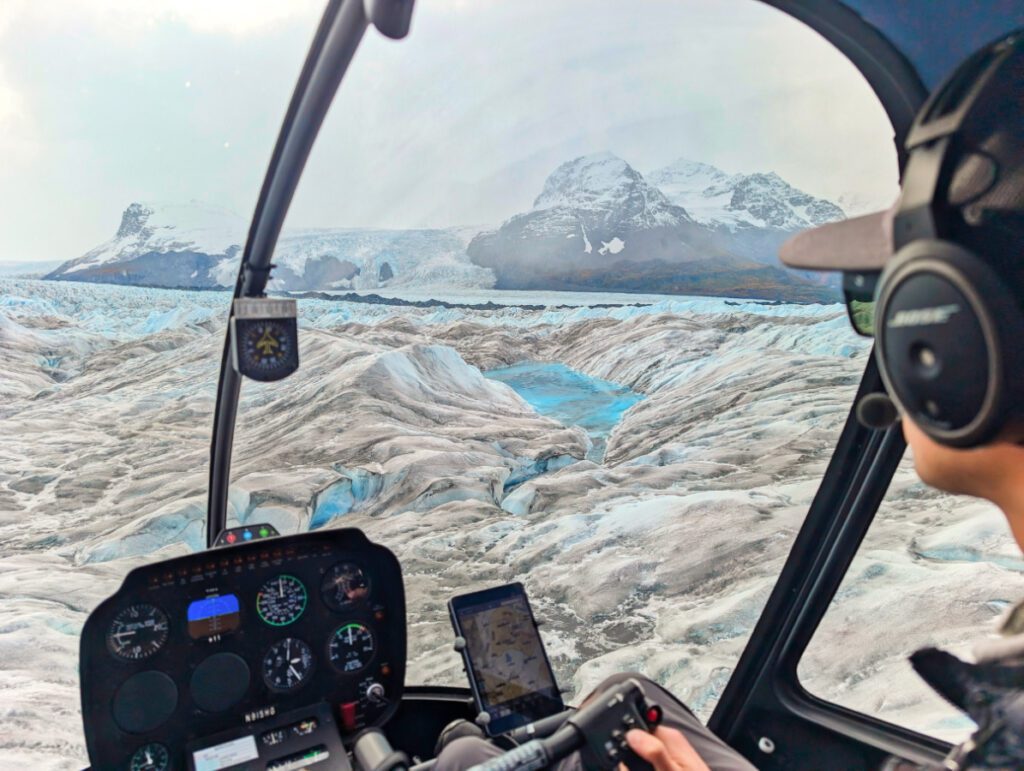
(652, 750)
(666, 750)
(680, 749)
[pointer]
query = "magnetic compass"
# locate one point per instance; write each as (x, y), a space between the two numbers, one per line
(264, 338)
(266, 345)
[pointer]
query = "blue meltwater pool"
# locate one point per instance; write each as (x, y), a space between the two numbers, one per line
(570, 397)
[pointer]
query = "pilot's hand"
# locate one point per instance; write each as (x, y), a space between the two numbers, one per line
(666, 749)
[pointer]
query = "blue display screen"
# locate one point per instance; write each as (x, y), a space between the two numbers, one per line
(213, 616)
(224, 605)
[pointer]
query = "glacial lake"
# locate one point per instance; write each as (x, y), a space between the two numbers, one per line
(570, 397)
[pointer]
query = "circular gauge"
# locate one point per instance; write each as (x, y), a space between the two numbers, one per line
(287, 664)
(266, 345)
(280, 601)
(344, 585)
(137, 632)
(351, 647)
(151, 757)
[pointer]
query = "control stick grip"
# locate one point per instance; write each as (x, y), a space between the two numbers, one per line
(373, 752)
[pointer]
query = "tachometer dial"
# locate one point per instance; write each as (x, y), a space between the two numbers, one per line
(287, 664)
(151, 757)
(281, 600)
(344, 586)
(137, 632)
(351, 647)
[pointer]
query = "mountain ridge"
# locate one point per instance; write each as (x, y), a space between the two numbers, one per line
(597, 224)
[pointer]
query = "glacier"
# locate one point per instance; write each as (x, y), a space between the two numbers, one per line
(657, 555)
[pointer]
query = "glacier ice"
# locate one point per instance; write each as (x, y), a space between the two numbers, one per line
(658, 556)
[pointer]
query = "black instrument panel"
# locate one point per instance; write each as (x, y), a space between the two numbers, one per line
(226, 639)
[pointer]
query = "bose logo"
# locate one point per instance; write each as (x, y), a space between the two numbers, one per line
(923, 317)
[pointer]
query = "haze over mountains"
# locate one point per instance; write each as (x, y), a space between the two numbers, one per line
(598, 224)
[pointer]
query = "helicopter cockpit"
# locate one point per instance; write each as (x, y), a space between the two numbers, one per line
(609, 414)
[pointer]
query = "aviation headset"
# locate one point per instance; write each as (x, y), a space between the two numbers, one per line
(949, 317)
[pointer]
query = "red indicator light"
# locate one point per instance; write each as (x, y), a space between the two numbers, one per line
(231, 538)
(654, 715)
(348, 716)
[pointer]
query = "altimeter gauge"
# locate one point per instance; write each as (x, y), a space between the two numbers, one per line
(151, 757)
(351, 647)
(137, 632)
(281, 600)
(287, 664)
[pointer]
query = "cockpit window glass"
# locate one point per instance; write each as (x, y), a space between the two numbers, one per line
(934, 570)
(545, 335)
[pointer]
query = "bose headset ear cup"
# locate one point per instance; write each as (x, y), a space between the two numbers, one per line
(949, 339)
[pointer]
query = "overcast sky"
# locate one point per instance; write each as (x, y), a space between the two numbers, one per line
(105, 102)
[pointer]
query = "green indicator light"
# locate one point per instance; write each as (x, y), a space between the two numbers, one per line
(264, 532)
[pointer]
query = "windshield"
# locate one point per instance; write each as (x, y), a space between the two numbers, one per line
(545, 337)
(543, 334)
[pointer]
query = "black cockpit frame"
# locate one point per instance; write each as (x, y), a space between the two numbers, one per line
(763, 698)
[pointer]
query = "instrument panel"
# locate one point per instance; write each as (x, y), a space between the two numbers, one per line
(230, 641)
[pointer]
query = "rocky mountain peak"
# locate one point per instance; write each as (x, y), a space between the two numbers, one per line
(606, 191)
(133, 221)
(594, 181)
(741, 201)
(769, 198)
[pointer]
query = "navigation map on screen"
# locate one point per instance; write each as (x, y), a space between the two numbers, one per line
(505, 649)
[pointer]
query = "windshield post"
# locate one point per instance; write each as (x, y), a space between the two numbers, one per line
(341, 29)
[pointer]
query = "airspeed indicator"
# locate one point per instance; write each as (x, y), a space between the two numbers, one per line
(281, 600)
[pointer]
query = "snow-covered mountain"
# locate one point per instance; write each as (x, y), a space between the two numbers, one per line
(198, 246)
(164, 244)
(599, 224)
(741, 201)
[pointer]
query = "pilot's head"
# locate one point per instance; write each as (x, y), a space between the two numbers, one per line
(949, 305)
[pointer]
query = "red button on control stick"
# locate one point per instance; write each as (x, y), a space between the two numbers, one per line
(654, 715)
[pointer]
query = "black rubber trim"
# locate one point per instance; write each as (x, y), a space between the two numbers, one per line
(337, 37)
